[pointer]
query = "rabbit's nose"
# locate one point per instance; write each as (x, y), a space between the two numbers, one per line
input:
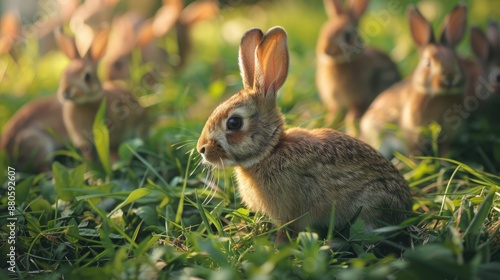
(201, 145)
(202, 151)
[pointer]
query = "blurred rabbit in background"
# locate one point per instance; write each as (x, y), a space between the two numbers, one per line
(486, 48)
(131, 31)
(428, 95)
(349, 75)
(33, 134)
(81, 93)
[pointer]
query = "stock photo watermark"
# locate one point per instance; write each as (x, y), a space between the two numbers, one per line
(11, 219)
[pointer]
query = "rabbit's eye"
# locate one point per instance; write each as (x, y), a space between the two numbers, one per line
(234, 123)
(87, 77)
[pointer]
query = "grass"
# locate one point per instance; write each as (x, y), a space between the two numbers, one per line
(155, 214)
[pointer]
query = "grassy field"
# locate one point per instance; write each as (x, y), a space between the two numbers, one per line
(157, 213)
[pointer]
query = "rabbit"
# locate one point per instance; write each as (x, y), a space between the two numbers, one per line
(131, 32)
(295, 175)
(33, 134)
(428, 95)
(81, 93)
(349, 75)
(486, 48)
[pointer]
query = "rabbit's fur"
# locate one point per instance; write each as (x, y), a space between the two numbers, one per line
(349, 75)
(428, 95)
(81, 93)
(296, 174)
(33, 133)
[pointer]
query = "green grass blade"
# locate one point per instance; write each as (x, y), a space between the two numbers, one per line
(133, 196)
(180, 208)
(113, 225)
(101, 138)
(148, 165)
(203, 215)
(61, 182)
(446, 189)
(145, 245)
(482, 214)
(23, 189)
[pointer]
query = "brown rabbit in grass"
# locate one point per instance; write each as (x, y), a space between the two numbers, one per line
(33, 134)
(349, 75)
(436, 85)
(81, 93)
(296, 175)
(487, 51)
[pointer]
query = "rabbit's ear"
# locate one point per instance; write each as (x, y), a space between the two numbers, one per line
(454, 26)
(84, 35)
(98, 47)
(358, 8)
(493, 32)
(271, 65)
(10, 30)
(198, 11)
(334, 8)
(145, 34)
(246, 57)
(66, 44)
(122, 34)
(165, 18)
(10, 24)
(67, 8)
(420, 28)
(479, 44)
